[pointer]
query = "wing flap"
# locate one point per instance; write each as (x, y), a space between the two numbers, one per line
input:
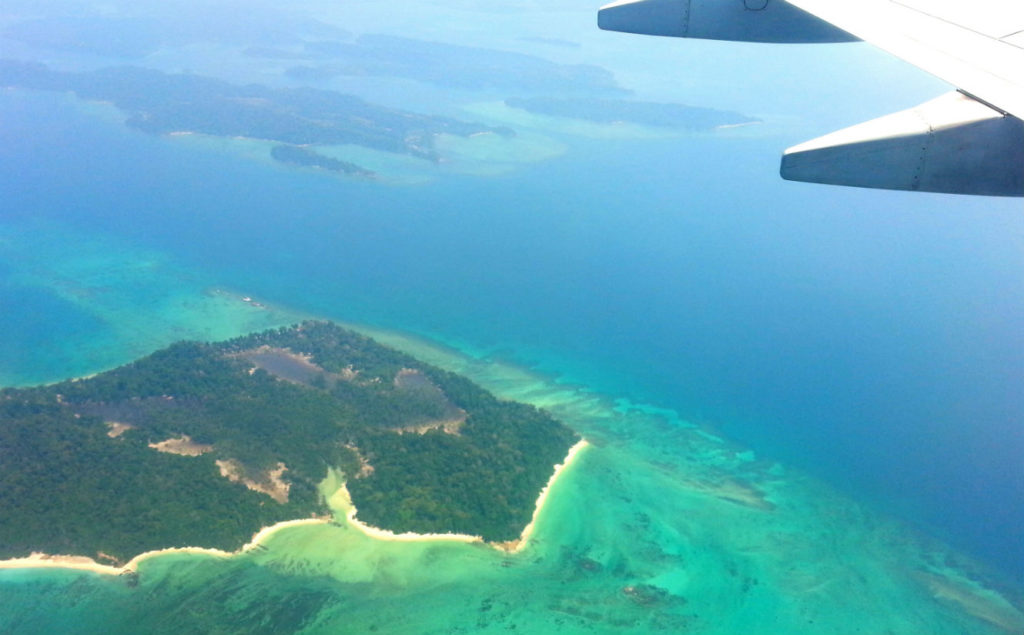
(970, 142)
(952, 144)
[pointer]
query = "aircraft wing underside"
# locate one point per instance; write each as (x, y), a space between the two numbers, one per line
(970, 141)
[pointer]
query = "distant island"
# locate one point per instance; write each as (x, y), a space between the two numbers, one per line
(301, 156)
(448, 65)
(162, 103)
(203, 444)
(327, 50)
(640, 112)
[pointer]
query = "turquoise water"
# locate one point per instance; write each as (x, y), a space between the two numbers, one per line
(660, 525)
(802, 401)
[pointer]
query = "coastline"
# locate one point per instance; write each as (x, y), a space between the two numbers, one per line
(340, 503)
(39, 560)
(384, 534)
(517, 545)
(509, 546)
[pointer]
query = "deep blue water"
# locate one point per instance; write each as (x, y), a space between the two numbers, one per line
(873, 338)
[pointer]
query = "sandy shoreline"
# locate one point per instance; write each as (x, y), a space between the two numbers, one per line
(377, 533)
(515, 546)
(40, 560)
(510, 546)
(409, 536)
(83, 563)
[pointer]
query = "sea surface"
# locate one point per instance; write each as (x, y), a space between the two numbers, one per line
(804, 402)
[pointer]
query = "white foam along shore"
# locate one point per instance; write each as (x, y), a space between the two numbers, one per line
(83, 563)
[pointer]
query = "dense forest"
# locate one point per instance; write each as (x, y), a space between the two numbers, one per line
(424, 450)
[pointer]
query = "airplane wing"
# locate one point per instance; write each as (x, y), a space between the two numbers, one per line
(970, 141)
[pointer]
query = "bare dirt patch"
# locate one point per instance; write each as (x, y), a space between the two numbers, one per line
(414, 381)
(183, 446)
(117, 428)
(268, 483)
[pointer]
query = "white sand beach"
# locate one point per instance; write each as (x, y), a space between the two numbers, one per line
(514, 546)
(340, 501)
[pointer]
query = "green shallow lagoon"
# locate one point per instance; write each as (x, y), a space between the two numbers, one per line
(661, 525)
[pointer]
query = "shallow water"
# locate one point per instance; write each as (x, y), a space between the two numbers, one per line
(717, 335)
(660, 525)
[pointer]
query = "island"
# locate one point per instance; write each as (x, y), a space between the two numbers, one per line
(459, 67)
(167, 103)
(304, 157)
(203, 444)
(630, 111)
(321, 49)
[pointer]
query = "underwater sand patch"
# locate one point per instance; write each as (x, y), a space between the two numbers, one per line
(978, 601)
(733, 491)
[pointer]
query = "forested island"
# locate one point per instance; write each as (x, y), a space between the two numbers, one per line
(162, 103)
(641, 112)
(323, 50)
(203, 444)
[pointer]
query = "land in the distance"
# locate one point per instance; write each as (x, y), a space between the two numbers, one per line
(442, 64)
(203, 444)
(162, 103)
(322, 50)
(640, 112)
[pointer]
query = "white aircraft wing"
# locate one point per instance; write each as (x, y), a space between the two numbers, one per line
(968, 142)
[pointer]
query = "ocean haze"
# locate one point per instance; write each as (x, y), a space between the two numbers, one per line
(870, 339)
